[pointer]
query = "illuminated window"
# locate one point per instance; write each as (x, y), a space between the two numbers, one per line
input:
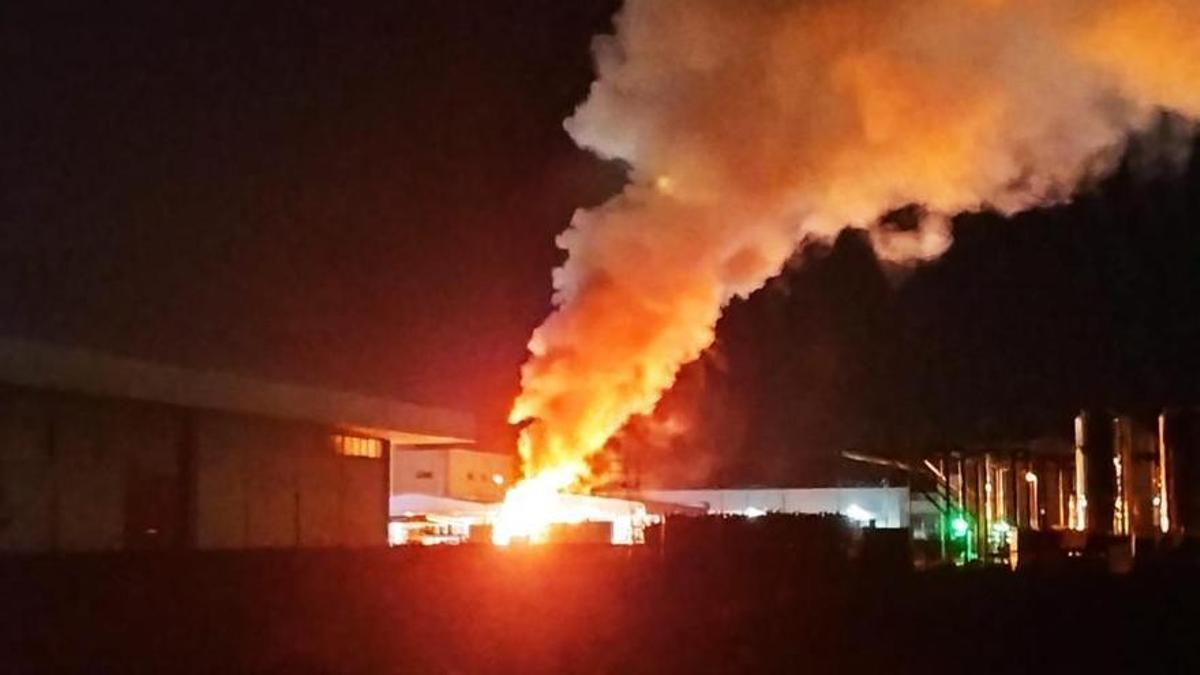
(357, 446)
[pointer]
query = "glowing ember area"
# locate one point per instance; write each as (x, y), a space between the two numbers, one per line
(531, 507)
(753, 128)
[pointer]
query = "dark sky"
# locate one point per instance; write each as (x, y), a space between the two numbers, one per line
(367, 199)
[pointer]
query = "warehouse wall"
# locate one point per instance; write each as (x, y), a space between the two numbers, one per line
(451, 472)
(264, 483)
(26, 475)
(419, 471)
(81, 473)
(88, 467)
(364, 501)
(469, 475)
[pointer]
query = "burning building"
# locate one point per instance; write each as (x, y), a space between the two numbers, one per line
(455, 518)
(751, 129)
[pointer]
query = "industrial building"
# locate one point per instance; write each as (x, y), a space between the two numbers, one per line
(1118, 489)
(452, 472)
(451, 495)
(103, 453)
(884, 507)
(439, 494)
(427, 519)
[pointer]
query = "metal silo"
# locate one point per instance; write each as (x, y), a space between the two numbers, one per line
(1179, 470)
(1095, 471)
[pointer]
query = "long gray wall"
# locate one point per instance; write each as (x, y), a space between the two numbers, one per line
(266, 483)
(81, 474)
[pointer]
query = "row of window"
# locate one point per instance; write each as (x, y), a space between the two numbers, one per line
(357, 446)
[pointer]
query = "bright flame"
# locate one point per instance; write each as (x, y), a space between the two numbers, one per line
(531, 507)
(534, 505)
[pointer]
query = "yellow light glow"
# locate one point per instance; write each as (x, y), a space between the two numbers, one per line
(531, 506)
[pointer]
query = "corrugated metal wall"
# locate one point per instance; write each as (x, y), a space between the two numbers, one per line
(261, 483)
(81, 474)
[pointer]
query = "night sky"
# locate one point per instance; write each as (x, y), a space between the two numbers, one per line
(367, 200)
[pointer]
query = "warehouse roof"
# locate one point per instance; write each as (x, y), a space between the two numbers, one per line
(44, 366)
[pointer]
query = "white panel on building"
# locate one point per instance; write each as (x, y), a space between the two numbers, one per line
(883, 506)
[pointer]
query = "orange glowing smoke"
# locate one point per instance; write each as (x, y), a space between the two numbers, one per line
(753, 127)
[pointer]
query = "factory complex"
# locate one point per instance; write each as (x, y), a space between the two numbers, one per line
(104, 453)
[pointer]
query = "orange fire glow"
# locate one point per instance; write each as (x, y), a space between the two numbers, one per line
(753, 128)
(532, 506)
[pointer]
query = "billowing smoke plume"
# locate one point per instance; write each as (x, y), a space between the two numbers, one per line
(751, 127)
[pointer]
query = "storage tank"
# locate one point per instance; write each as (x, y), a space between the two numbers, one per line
(1095, 471)
(1179, 470)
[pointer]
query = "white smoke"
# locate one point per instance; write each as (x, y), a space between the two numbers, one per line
(752, 126)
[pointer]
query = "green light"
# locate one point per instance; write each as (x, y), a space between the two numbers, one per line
(959, 527)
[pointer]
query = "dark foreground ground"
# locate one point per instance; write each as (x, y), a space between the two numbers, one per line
(577, 609)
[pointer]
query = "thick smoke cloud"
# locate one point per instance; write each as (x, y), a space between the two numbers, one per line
(753, 127)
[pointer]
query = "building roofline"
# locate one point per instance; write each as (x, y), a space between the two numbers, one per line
(43, 366)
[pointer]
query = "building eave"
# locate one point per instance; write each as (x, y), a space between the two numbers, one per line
(43, 366)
